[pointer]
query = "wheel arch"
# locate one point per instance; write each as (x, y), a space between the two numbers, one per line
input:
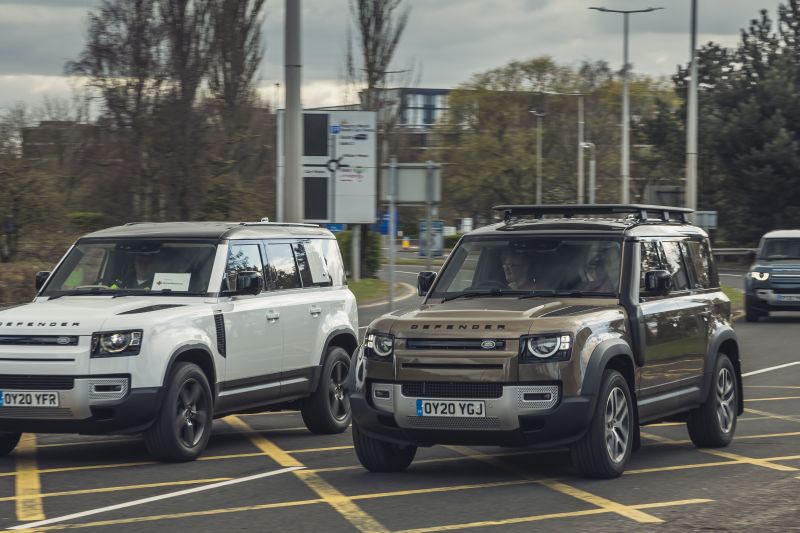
(725, 342)
(200, 355)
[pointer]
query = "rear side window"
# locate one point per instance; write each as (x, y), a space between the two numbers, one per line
(282, 267)
(650, 260)
(242, 258)
(314, 266)
(328, 249)
(699, 260)
(675, 265)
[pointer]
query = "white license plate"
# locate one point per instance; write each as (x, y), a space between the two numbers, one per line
(452, 408)
(788, 297)
(28, 399)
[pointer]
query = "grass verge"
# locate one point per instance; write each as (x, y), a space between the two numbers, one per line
(372, 290)
(735, 296)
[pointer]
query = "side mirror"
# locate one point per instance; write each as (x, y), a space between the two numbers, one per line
(657, 282)
(424, 282)
(249, 283)
(41, 279)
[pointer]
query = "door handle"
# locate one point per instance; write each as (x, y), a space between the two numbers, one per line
(273, 316)
(315, 310)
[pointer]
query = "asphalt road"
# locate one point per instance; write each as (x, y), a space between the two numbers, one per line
(669, 485)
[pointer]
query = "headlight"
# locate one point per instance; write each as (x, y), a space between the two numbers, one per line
(551, 347)
(760, 276)
(378, 345)
(116, 343)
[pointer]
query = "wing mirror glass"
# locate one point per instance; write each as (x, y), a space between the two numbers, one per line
(657, 282)
(424, 282)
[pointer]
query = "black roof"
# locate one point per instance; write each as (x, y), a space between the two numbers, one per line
(209, 230)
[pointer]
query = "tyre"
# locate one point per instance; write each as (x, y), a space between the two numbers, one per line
(183, 425)
(327, 410)
(713, 424)
(606, 447)
(8, 441)
(751, 314)
(381, 456)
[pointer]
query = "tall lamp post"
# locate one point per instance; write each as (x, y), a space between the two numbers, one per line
(539, 117)
(592, 170)
(625, 99)
(580, 138)
(691, 119)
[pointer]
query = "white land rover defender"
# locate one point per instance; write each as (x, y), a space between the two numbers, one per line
(160, 328)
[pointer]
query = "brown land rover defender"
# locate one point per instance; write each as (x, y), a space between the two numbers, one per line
(554, 332)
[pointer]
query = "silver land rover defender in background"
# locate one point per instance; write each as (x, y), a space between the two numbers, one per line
(160, 328)
(569, 331)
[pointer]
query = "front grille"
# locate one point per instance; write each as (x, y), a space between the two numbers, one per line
(456, 344)
(38, 340)
(436, 389)
(446, 422)
(35, 412)
(22, 382)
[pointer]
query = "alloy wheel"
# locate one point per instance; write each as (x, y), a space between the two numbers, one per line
(338, 398)
(617, 424)
(191, 419)
(726, 394)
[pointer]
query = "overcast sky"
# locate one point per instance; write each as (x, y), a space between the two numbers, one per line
(449, 40)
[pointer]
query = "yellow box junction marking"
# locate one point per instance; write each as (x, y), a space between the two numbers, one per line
(28, 485)
(331, 495)
(773, 415)
(727, 455)
(563, 488)
(538, 518)
(772, 399)
(121, 488)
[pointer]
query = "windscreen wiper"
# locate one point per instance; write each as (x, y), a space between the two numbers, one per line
(84, 292)
(567, 293)
(479, 294)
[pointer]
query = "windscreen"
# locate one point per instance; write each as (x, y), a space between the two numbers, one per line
(781, 249)
(131, 266)
(520, 265)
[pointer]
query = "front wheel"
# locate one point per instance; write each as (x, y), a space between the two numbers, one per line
(713, 424)
(605, 449)
(327, 410)
(183, 426)
(8, 441)
(381, 456)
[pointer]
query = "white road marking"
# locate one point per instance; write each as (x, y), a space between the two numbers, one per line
(142, 501)
(770, 369)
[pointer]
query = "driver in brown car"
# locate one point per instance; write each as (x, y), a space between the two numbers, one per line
(518, 271)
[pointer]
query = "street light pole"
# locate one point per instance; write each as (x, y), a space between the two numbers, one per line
(580, 148)
(592, 170)
(292, 189)
(691, 119)
(539, 117)
(625, 166)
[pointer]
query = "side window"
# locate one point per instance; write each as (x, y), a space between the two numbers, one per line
(701, 265)
(241, 258)
(329, 249)
(302, 264)
(282, 267)
(314, 258)
(675, 265)
(650, 260)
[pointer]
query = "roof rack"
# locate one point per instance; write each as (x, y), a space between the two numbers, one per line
(640, 213)
(296, 224)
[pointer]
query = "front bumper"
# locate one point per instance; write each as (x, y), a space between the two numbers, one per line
(509, 421)
(94, 405)
(769, 300)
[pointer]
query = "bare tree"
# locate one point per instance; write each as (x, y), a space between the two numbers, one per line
(123, 62)
(187, 30)
(379, 26)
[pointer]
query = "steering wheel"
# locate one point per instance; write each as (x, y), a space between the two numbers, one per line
(490, 284)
